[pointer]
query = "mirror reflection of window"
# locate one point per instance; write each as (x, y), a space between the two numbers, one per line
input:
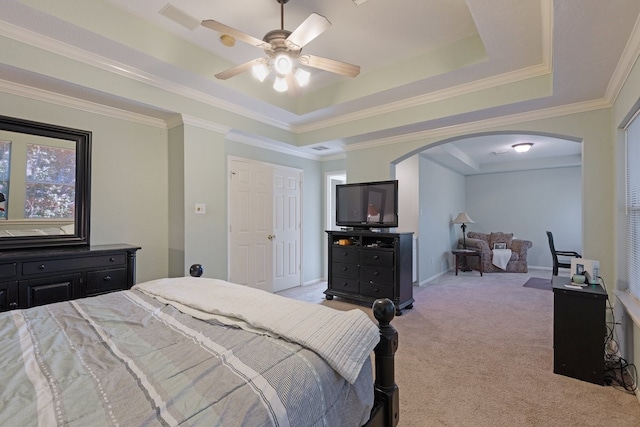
(5, 165)
(50, 182)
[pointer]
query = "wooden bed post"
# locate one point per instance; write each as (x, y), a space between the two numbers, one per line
(386, 410)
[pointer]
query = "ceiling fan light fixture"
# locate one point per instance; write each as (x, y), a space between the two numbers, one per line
(302, 77)
(260, 71)
(283, 64)
(522, 148)
(280, 84)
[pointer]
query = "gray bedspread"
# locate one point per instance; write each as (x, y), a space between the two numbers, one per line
(126, 359)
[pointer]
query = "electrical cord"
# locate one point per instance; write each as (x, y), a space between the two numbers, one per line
(617, 371)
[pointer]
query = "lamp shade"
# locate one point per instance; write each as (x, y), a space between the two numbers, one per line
(463, 218)
(280, 84)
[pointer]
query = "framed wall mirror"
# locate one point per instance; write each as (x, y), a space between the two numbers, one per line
(45, 182)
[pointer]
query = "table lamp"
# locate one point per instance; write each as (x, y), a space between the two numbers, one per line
(463, 219)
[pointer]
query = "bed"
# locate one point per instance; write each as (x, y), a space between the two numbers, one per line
(197, 351)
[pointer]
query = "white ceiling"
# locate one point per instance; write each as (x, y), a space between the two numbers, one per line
(422, 64)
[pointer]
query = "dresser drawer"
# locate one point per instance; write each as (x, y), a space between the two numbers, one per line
(375, 290)
(106, 280)
(348, 254)
(341, 284)
(8, 270)
(377, 258)
(342, 269)
(383, 276)
(56, 265)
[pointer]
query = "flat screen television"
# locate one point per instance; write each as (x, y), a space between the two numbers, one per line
(367, 205)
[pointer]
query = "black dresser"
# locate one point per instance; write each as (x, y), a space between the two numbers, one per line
(40, 276)
(365, 266)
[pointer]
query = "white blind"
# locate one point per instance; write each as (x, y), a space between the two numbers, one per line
(632, 140)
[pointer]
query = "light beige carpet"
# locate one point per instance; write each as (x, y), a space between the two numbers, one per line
(478, 351)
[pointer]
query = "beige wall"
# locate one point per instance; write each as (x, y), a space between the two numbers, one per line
(128, 178)
(593, 128)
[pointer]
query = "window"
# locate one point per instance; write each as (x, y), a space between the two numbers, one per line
(50, 182)
(632, 160)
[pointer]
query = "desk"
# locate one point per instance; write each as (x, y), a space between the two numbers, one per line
(579, 331)
(464, 253)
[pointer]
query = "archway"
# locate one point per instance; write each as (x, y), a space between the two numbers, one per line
(523, 195)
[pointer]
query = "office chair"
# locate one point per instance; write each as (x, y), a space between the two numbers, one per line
(554, 254)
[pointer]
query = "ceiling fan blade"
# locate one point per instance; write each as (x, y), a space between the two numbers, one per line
(311, 28)
(331, 65)
(237, 34)
(238, 69)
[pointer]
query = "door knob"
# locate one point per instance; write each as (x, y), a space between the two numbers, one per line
(271, 236)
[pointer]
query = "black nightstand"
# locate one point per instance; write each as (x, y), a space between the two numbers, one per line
(579, 330)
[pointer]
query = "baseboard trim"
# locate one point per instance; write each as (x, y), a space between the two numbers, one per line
(314, 282)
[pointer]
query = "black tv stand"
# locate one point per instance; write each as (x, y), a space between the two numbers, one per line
(367, 265)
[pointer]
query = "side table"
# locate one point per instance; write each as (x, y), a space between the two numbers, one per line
(465, 253)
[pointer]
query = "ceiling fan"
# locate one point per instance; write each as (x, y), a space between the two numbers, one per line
(283, 48)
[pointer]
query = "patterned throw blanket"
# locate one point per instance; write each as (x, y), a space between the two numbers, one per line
(128, 359)
(344, 339)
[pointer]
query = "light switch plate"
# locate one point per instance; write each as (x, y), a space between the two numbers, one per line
(201, 208)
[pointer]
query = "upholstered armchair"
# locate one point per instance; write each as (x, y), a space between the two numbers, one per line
(484, 243)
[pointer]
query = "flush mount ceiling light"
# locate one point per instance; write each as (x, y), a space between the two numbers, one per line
(522, 148)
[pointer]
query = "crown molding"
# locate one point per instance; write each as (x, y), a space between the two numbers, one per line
(483, 125)
(629, 56)
(441, 95)
(185, 119)
(78, 104)
(270, 145)
(77, 54)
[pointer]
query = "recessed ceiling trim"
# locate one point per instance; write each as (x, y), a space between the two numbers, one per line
(74, 53)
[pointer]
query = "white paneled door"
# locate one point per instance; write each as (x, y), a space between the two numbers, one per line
(264, 225)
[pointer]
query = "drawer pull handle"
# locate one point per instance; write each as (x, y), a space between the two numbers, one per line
(375, 257)
(112, 259)
(344, 268)
(345, 284)
(375, 273)
(13, 305)
(107, 278)
(41, 267)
